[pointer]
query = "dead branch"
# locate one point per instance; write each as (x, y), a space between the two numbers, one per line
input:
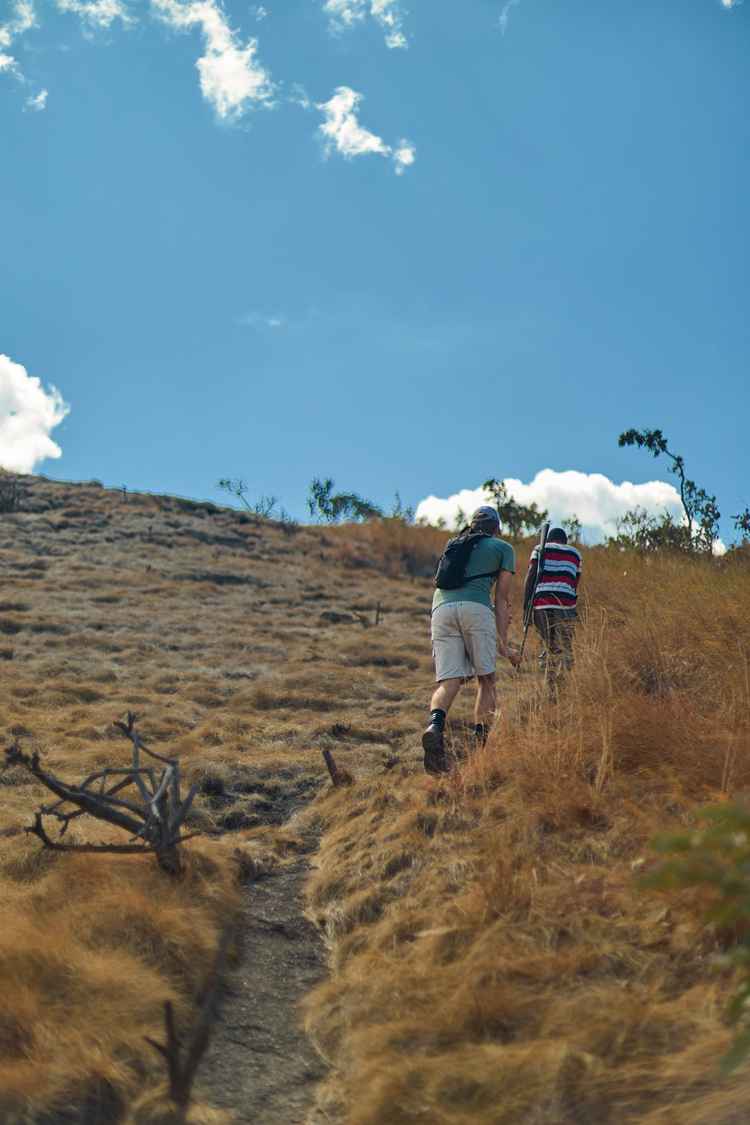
(156, 820)
(333, 769)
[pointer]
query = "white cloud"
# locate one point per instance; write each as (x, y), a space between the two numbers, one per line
(28, 414)
(594, 499)
(38, 102)
(505, 14)
(96, 13)
(404, 156)
(231, 76)
(343, 132)
(344, 14)
(22, 20)
(260, 12)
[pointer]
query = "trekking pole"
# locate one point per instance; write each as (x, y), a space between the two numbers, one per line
(529, 611)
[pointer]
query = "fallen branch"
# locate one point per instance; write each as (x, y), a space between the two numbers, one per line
(156, 819)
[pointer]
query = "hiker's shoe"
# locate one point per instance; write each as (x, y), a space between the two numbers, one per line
(433, 744)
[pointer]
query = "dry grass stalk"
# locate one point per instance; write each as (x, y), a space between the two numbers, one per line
(184, 1058)
(157, 820)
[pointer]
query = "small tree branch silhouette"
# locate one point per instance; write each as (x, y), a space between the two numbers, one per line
(701, 510)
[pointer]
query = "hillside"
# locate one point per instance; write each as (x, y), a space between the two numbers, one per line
(489, 956)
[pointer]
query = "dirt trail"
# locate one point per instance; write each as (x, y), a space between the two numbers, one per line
(260, 1063)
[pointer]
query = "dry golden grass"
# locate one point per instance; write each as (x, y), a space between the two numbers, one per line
(208, 624)
(492, 960)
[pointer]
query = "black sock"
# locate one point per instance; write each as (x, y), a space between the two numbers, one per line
(437, 716)
(481, 731)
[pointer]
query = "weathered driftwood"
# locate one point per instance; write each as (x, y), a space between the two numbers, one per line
(154, 815)
(183, 1058)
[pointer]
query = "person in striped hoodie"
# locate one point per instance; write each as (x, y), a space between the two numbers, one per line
(555, 600)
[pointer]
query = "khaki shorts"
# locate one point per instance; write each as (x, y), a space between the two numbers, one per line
(464, 640)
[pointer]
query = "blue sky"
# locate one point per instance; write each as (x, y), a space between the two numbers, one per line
(524, 229)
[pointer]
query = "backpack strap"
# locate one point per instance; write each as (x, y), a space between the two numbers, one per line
(489, 574)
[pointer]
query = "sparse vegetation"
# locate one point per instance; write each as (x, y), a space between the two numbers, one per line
(515, 519)
(715, 856)
(640, 531)
(573, 528)
(333, 507)
(493, 957)
(701, 511)
(10, 492)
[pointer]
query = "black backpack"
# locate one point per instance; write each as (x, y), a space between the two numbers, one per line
(451, 568)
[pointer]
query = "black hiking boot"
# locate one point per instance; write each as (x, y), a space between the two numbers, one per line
(433, 744)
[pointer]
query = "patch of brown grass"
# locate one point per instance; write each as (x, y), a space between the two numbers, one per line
(493, 958)
(209, 625)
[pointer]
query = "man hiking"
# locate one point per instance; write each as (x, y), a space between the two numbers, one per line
(555, 601)
(467, 632)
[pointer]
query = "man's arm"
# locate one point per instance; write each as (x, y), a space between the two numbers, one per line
(502, 599)
(528, 586)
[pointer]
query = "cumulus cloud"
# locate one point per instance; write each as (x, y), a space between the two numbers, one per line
(591, 497)
(342, 131)
(344, 14)
(231, 77)
(28, 414)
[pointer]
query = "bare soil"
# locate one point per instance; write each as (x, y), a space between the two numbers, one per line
(260, 1063)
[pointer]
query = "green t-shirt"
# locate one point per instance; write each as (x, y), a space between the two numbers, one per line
(489, 554)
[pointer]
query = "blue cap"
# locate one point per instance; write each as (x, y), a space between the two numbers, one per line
(485, 514)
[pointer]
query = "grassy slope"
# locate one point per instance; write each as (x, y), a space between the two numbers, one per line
(491, 961)
(107, 604)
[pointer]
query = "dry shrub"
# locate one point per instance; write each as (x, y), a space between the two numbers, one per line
(90, 949)
(494, 959)
(391, 546)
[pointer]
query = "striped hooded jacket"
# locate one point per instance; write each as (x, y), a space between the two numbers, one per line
(558, 584)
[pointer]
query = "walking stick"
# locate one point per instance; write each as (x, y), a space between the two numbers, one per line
(529, 610)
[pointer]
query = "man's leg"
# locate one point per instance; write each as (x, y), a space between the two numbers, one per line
(444, 694)
(451, 667)
(562, 630)
(484, 707)
(542, 624)
(433, 739)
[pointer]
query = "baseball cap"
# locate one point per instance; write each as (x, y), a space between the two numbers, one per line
(485, 514)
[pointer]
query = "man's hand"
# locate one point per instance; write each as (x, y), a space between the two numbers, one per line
(511, 654)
